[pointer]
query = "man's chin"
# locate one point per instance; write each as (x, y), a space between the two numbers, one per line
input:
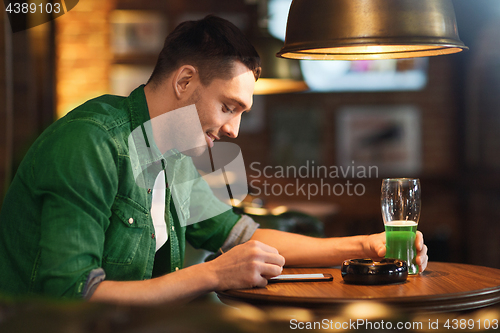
(194, 152)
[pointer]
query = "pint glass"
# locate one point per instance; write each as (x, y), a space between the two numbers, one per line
(400, 201)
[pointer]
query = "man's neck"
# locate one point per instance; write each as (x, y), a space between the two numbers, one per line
(159, 99)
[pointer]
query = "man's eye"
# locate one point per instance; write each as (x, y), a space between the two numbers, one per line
(226, 109)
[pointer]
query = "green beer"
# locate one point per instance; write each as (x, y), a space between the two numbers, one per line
(400, 242)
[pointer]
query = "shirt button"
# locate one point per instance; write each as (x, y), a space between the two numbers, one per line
(173, 229)
(153, 236)
(176, 268)
(130, 220)
(149, 191)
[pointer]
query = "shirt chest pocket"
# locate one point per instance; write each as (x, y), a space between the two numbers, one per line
(128, 228)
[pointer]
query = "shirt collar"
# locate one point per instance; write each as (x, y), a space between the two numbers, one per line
(138, 106)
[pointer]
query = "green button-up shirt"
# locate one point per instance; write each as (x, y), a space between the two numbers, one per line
(74, 207)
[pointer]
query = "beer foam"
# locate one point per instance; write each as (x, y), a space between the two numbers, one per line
(402, 223)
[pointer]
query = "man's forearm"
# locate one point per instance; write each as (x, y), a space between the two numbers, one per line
(177, 287)
(300, 250)
(244, 266)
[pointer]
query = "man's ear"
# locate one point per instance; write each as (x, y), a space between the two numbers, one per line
(184, 79)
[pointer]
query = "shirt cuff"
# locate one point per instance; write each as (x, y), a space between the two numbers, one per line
(96, 276)
(242, 231)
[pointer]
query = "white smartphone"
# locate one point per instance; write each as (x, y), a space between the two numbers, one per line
(301, 277)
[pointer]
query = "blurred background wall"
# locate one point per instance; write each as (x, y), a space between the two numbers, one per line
(49, 69)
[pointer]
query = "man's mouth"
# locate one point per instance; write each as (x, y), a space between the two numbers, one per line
(210, 139)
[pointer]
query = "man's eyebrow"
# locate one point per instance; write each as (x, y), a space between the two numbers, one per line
(240, 103)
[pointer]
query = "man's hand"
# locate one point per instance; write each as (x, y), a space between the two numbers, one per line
(374, 247)
(422, 257)
(247, 265)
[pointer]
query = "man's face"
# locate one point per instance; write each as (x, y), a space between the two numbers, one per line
(221, 103)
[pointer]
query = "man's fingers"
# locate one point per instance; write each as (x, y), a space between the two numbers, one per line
(261, 282)
(266, 253)
(419, 241)
(274, 259)
(422, 258)
(269, 270)
(248, 265)
(374, 246)
(381, 251)
(262, 246)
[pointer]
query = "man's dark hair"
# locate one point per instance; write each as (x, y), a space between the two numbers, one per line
(211, 45)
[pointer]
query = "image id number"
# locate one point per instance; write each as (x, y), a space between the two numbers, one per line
(471, 324)
(26, 8)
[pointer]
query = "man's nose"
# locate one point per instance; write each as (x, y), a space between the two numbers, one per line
(232, 127)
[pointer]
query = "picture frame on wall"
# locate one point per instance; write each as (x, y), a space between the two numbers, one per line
(296, 138)
(385, 137)
(137, 32)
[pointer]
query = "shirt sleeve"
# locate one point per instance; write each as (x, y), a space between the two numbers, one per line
(242, 231)
(212, 224)
(212, 233)
(75, 176)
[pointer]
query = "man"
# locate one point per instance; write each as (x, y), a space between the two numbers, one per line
(77, 221)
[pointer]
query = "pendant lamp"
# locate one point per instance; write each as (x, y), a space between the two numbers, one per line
(278, 75)
(370, 29)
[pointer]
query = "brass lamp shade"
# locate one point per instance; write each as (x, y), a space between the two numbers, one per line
(370, 29)
(278, 75)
